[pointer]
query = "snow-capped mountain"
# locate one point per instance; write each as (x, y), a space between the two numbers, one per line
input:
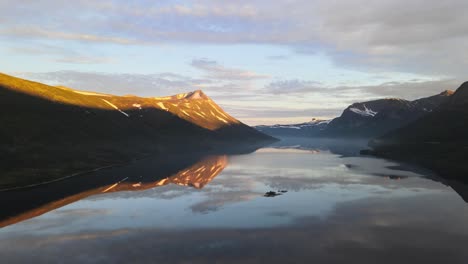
(311, 128)
(377, 117)
(364, 120)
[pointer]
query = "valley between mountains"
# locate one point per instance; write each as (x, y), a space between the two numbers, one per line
(430, 131)
(51, 132)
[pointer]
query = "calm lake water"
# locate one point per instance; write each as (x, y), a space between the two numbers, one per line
(333, 207)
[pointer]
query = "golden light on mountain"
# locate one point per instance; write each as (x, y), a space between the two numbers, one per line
(194, 107)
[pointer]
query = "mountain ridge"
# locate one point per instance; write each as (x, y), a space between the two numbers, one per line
(367, 119)
(437, 140)
(50, 131)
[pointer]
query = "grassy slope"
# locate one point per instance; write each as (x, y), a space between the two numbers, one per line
(48, 132)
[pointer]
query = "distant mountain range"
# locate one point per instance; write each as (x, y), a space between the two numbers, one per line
(430, 131)
(437, 140)
(308, 129)
(364, 120)
(48, 132)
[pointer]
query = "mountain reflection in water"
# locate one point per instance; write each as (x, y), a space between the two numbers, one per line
(197, 176)
(338, 208)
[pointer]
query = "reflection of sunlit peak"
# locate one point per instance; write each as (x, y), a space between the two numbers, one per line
(198, 175)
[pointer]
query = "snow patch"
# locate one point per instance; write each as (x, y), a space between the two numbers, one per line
(222, 119)
(198, 114)
(90, 93)
(137, 106)
(287, 126)
(116, 108)
(365, 112)
(217, 110)
(162, 106)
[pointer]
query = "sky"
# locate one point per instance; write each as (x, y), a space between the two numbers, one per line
(265, 62)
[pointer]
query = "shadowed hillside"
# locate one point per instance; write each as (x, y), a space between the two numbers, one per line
(437, 140)
(49, 132)
(364, 120)
(376, 118)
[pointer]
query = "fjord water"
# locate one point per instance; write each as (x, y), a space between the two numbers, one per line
(333, 206)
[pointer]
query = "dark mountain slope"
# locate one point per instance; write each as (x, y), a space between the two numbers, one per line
(48, 132)
(438, 140)
(375, 118)
(363, 120)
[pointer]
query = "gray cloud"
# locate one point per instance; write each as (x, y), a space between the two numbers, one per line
(279, 112)
(410, 90)
(86, 60)
(140, 84)
(61, 54)
(294, 86)
(217, 200)
(214, 70)
(419, 36)
(36, 32)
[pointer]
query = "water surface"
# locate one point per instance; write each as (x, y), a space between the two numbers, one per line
(333, 207)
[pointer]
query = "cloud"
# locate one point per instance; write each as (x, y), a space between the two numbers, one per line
(82, 212)
(61, 54)
(85, 60)
(294, 86)
(35, 32)
(217, 200)
(160, 84)
(214, 70)
(217, 80)
(410, 90)
(421, 36)
(199, 10)
(279, 112)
